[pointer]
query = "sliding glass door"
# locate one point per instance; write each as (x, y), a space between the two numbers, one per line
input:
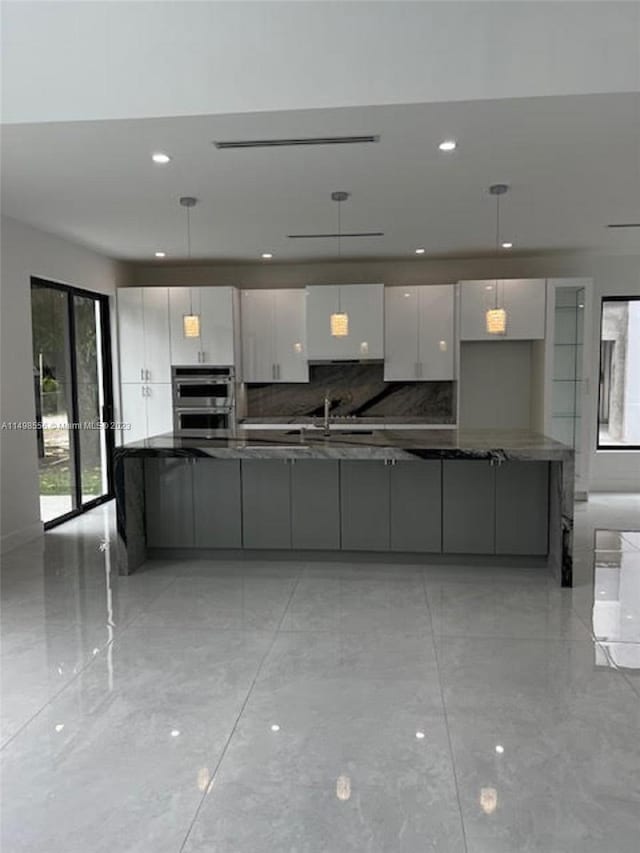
(73, 394)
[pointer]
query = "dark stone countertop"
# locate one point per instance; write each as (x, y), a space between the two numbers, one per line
(375, 444)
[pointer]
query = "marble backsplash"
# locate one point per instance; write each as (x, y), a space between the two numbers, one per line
(355, 389)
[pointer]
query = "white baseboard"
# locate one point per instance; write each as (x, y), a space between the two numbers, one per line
(20, 537)
(617, 486)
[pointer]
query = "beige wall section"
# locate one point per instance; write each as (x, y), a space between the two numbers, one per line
(28, 252)
(495, 380)
(614, 270)
(615, 275)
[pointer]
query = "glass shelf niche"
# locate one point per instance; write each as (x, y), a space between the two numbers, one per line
(567, 366)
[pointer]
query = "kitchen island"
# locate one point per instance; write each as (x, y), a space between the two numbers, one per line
(428, 495)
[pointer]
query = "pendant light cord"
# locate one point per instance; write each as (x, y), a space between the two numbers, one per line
(189, 257)
(339, 253)
(497, 238)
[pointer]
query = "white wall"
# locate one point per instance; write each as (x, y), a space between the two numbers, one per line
(27, 252)
(614, 275)
(69, 61)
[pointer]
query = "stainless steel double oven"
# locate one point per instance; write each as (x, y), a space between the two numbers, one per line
(203, 399)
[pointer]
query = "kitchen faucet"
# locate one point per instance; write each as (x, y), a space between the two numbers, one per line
(327, 416)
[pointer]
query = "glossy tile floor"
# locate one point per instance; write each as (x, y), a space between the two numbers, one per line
(299, 708)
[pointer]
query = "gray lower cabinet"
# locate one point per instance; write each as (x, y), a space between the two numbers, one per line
(468, 507)
(217, 503)
(364, 491)
(416, 506)
(266, 503)
(169, 502)
(453, 506)
(522, 508)
(315, 504)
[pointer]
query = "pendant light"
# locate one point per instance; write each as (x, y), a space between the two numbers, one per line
(340, 319)
(190, 321)
(496, 317)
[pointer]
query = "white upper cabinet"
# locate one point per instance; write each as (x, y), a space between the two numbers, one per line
(364, 306)
(524, 300)
(274, 336)
(215, 305)
(258, 354)
(290, 329)
(419, 333)
(131, 334)
(143, 317)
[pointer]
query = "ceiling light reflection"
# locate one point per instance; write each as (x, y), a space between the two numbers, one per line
(488, 800)
(343, 787)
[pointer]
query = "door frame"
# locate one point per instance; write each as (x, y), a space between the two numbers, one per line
(107, 414)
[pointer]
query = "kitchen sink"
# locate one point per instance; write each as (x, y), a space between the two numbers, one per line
(317, 433)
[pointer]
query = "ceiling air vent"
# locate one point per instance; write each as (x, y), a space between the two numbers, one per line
(344, 234)
(624, 225)
(283, 143)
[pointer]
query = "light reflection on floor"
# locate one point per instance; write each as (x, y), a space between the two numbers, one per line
(263, 706)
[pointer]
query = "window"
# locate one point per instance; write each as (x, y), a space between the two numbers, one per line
(619, 393)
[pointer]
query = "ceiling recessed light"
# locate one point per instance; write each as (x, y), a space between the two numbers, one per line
(161, 254)
(160, 158)
(448, 145)
(499, 748)
(507, 245)
(266, 256)
(275, 727)
(420, 735)
(420, 251)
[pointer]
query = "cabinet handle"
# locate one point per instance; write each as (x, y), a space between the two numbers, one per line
(141, 374)
(273, 371)
(415, 369)
(277, 371)
(148, 375)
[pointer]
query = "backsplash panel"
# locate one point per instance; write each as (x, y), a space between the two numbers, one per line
(355, 389)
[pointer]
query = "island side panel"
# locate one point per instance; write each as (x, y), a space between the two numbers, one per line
(131, 547)
(561, 497)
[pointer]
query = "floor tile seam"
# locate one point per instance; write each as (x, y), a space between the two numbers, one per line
(446, 720)
(564, 640)
(225, 748)
(336, 630)
(143, 610)
(635, 688)
(91, 662)
(586, 623)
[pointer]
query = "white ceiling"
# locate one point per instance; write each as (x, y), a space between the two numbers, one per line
(573, 164)
(70, 61)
